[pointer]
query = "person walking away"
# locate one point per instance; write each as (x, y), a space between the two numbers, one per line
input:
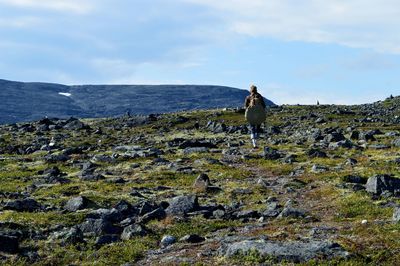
(255, 113)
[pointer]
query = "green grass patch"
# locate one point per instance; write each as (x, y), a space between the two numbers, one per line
(41, 218)
(361, 206)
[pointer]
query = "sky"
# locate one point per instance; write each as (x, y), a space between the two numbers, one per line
(295, 51)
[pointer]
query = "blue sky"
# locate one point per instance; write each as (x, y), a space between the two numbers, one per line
(333, 51)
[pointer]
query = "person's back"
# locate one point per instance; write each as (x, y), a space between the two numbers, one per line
(254, 99)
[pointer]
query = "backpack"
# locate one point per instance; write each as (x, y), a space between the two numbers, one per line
(255, 113)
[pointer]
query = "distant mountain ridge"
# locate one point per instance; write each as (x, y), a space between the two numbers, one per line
(27, 101)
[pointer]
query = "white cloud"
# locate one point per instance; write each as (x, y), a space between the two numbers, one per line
(40, 74)
(313, 71)
(355, 23)
(19, 22)
(75, 6)
(370, 61)
(120, 71)
(113, 66)
(137, 80)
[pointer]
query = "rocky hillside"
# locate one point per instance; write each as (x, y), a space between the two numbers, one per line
(22, 102)
(187, 188)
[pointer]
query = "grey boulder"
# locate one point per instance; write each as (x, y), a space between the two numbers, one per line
(132, 231)
(294, 251)
(167, 240)
(78, 203)
(379, 183)
(97, 227)
(182, 204)
(289, 212)
(69, 235)
(28, 205)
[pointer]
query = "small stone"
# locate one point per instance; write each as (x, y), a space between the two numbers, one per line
(387, 194)
(271, 154)
(334, 137)
(354, 179)
(92, 177)
(167, 241)
(128, 264)
(192, 238)
(75, 124)
(292, 213)
(315, 153)
(364, 222)
(288, 203)
(124, 207)
(127, 221)
(78, 203)
(188, 151)
(134, 165)
(89, 166)
(9, 244)
(367, 136)
(355, 135)
(202, 182)
(273, 208)
(56, 158)
(262, 183)
(316, 168)
(396, 142)
(182, 204)
(54, 171)
(146, 207)
(73, 236)
(106, 239)
(218, 214)
(351, 162)
(396, 215)
(247, 214)
(157, 214)
(116, 180)
(290, 159)
(132, 231)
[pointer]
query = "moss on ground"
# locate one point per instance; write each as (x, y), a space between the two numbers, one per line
(375, 242)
